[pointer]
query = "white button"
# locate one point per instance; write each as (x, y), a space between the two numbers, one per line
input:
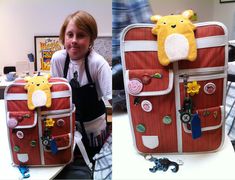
(146, 105)
(20, 134)
(209, 88)
(60, 122)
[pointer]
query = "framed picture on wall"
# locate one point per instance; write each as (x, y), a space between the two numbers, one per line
(226, 1)
(45, 46)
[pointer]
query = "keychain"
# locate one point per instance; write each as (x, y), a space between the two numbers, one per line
(162, 164)
(186, 110)
(196, 126)
(53, 146)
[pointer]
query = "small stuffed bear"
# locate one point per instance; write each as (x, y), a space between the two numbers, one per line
(39, 92)
(175, 36)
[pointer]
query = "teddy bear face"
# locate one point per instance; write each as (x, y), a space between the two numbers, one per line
(38, 83)
(173, 24)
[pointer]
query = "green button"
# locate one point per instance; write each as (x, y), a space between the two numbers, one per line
(33, 143)
(16, 148)
(167, 120)
(140, 128)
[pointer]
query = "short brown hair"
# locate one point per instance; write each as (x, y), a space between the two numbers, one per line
(84, 21)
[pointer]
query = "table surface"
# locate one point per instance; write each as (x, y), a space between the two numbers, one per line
(128, 164)
(4, 82)
(10, 172)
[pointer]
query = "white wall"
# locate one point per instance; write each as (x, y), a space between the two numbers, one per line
(207, 10)
(203, 8)
(21, 20)
(225, 13)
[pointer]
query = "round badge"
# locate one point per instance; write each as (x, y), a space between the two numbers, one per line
(209, 88)
(20, 134)
(146, 79)
(135, 86)
(60, 122)
(16, 148)
(12, 123)
(167, 120)
(19, 118)
(146, 105)
(33, 143)
(140, 128)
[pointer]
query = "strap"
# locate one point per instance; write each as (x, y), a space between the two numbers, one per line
(66, 65)
(78, 141)
(87, 69)
(151, 45)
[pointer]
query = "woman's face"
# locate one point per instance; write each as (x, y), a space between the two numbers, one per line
(76, 41)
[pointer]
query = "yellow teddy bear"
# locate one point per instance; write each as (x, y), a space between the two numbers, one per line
(39, 92)
(175, 36)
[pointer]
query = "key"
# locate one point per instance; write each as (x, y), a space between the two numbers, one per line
(53, 146)
(196, 126)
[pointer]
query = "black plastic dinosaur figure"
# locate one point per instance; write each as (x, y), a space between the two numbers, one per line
(163, 164)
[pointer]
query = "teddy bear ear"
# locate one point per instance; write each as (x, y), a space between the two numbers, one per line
(155, 18)
(27, 78)
(47, 76)
(187, 14)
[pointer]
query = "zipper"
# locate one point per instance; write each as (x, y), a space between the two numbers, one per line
(196, 77)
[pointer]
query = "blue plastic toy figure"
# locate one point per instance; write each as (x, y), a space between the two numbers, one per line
(23, 170)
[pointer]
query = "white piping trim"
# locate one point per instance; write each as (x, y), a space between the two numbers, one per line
(149, 45)
(39, 136)
(209, 128)
(25, 126)
(155, 93)
(177, 108)
(23, 96)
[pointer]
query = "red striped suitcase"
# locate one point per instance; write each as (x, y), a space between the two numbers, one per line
(29, 135)
(155, 94)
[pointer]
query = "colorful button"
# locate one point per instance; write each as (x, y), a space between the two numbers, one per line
(60, 122)
(146, 79)
(146, 105)
(167, 120)
(33, 143)
(135, 86)
(50, 122)
(140, 128)
(19, 118)
(206, 113)
(12, 123)
(157, 75)
(16, 148)
(20, 134)
(215, 114)
(209, 88)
